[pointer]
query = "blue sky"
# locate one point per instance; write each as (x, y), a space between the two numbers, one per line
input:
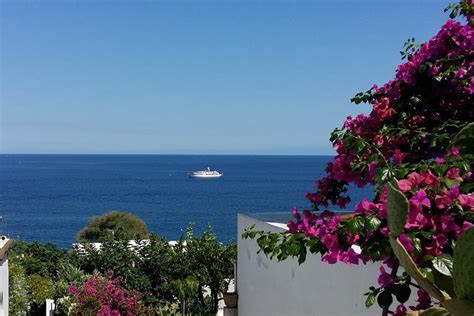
(207, 77)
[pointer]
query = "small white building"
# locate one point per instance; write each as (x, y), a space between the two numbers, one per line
(5, 244)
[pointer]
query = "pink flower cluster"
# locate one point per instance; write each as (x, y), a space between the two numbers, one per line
(406, 133)
(433, 207)
(330, 191)
(437, 208)
(325, 227)
(436, 84)
(105, 297)
(452, 41)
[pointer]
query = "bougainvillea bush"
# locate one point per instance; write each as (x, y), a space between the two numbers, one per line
(105, 296)
(418, 136)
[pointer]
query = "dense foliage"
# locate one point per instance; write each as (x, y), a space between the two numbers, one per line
(34, 270)
(419, 135)
(150, 277)
(104, 296)
(112, 222)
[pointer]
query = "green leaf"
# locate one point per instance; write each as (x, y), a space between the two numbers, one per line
(354, 226)
(372, 223)
(373, 157)
(402, 292)
(359, 145)
(302, 255)
(426, 234)
(428, 273)
(397, 208)
(386, 175)
(294, 250)
(416, 242)
(370, 299)
(415, 100)
(463, 267)
(460, 307)
(464, 140)
(385, 299)
(314, 245)
(467, 187)
(443, 264)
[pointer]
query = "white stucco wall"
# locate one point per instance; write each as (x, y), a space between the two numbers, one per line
(4, 286)
(268, 287)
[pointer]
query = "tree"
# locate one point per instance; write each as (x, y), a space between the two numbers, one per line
(37, 272)
(417, 140)
(211, 263)
(115, 255)
(39, 289)
(18, 287)
(37, 258)
(110, 223)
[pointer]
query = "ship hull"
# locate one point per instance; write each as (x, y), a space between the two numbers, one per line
(202, 176)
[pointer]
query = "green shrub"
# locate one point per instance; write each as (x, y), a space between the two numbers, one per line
(131, 227)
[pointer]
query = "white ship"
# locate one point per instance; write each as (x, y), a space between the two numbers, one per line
(208, 173)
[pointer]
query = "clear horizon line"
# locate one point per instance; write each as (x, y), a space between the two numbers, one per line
(167, 154)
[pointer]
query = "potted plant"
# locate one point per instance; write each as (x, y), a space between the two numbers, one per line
(230, 299)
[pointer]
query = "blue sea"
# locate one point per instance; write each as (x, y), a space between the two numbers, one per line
(49, 198)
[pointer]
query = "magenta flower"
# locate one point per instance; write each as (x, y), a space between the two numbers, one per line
(430, 179)
(104, 310)
(467, 201)
(349, 256)
(311, 232)
(331, 242)
(296, 214)
(384, 279)
(435, 247)
(453, 174)
(455, 151)
(363, 207)
(448, 224)
(352, 239)
(405, 185)
(453, 192)
(105, 296)
(330, 257)
(420, 199)
(333, 222)
(424, 300)
(292, 228)
(416, 179)
(400, 310)
(384, 231)
(406, 242)
(398, 156)
(442, 201)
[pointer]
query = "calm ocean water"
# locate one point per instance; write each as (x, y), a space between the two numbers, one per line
(49, 198)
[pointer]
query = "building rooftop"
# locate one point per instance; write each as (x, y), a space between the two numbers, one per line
(5, 244)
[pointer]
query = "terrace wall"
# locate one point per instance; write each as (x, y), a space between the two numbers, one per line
(268, 287)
